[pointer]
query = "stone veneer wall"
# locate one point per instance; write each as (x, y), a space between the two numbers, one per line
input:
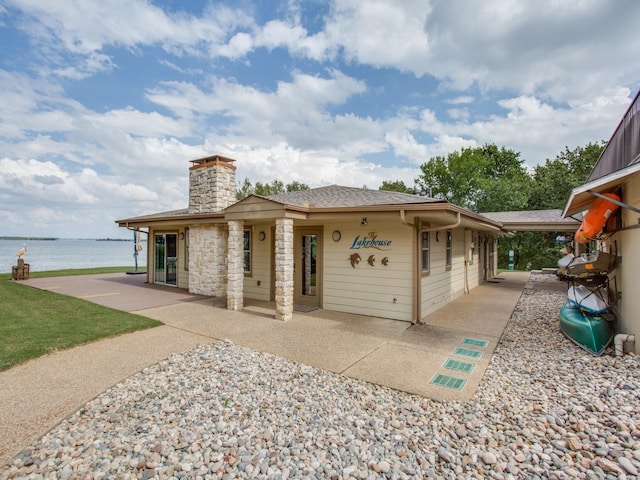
(235, 257)
(208, 260)
(284, 269)
(212, 187)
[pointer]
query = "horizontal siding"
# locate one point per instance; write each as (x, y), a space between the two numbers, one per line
(627, 276)
(443, 285)
(261, 265)
(364, 289)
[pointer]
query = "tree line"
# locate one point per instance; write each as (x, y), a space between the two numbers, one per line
(491, 179)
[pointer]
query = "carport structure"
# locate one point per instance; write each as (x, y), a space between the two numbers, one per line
(534, 221)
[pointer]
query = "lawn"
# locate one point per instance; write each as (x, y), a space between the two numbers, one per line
(35, 322)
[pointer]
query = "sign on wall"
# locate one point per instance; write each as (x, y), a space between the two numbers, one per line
(371, 240)
(368, 241)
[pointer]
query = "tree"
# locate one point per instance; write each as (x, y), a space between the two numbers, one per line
(296, 186)
(395, 186)
(481, 179)
(553, 181)
(266, 189)
(551, 185)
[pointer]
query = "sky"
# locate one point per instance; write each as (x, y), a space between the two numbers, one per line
(103, 103)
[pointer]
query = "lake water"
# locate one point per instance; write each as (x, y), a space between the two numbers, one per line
(70, 253)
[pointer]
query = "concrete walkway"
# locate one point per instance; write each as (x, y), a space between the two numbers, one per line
(443, 359)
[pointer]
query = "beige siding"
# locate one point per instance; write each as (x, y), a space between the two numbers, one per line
(628, 274)
(442, 285)
(257, 285)
(378, 290)
(473, 260)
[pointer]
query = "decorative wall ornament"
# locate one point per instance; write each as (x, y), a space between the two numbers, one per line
(354, 258)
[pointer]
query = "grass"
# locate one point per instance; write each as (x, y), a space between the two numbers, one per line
(36, 322)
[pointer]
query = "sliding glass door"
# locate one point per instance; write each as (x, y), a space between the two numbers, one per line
(165, 258)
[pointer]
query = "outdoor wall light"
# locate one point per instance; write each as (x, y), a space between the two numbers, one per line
(363, 222)
(181, 235)
(437, 236)
(262, 236)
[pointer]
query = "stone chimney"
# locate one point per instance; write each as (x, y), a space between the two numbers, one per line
(212, 184)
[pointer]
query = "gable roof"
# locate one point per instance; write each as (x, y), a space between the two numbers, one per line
(336, 196)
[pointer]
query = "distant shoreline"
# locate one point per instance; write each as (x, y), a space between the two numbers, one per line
(58, 238)
(29, 238)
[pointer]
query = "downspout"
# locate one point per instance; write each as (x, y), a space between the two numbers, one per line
(417, 285)
(456, 224)
(619, 341)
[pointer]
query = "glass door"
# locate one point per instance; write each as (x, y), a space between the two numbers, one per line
(307, 268)
(165, 258)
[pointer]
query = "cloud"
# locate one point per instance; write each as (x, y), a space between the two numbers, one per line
(555, 49)
(103, 103)
(296, 112)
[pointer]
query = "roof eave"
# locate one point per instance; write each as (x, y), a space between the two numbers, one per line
(172, 219)
(581, 199)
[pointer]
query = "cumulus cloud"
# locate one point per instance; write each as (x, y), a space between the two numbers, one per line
(118, 95)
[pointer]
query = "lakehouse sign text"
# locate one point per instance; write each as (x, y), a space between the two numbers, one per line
(370, 241)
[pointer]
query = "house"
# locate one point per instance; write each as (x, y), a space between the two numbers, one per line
(617, 171)
(354, 250)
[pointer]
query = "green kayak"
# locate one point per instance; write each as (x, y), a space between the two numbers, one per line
(588, 330)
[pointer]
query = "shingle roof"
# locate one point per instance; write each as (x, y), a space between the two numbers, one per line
(172, 213)
(334, 196)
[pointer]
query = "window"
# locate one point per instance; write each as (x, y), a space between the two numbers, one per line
(247, 251)
(473, 249)
(449, 242)
(425, 252)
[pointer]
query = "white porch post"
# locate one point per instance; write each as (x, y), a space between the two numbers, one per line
(284, 269)
(235, 266)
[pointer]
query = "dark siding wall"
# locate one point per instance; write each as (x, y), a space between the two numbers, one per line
(624, 145)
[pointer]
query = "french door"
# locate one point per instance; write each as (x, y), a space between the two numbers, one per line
(165, 258)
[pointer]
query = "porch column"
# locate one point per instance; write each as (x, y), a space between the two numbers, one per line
(235, 266)
(284, 269)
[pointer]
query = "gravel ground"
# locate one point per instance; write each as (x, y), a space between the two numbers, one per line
(544, 409)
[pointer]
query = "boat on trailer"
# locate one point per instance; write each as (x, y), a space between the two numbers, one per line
(590, 331)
